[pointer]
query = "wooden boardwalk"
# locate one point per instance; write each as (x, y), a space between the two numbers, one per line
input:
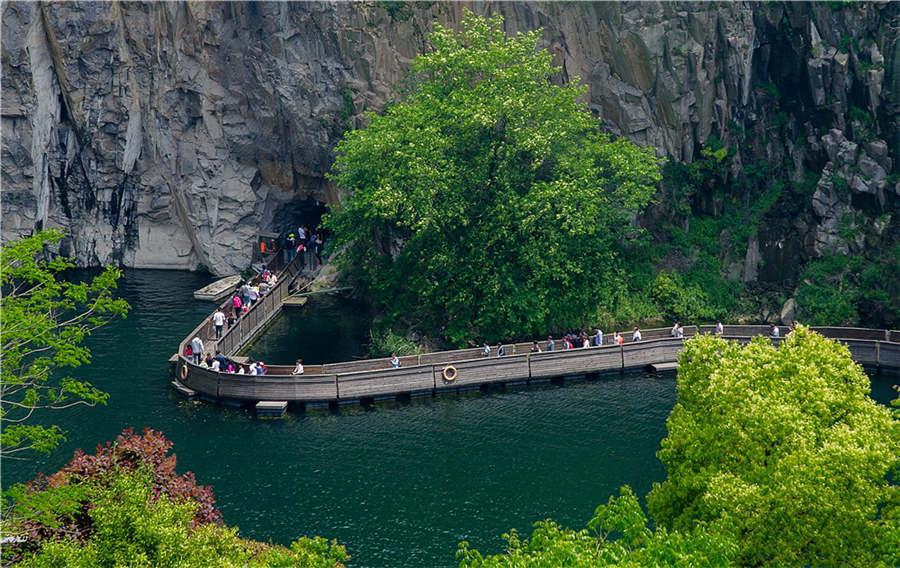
(431, 373)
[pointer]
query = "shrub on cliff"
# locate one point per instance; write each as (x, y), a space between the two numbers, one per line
(126, 506)
(488, 203)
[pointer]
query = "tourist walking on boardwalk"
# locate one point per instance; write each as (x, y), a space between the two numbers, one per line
(237, 303)
(317, 248)
(636, 334)
(290, 248)
(618, 339)
(720, 329)
(395, 361)
(219, 322)
(550, 343)
(245, 294)
(598, 337)
(196, 349)
(298, 368)
(678, 330)
(585, 342)
(774, 331)
(254, 294)
(535, 348)
(501, 350)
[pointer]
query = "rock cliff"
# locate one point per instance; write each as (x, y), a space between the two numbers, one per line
(169, 134)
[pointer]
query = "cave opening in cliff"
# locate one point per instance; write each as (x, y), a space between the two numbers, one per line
(300, 212)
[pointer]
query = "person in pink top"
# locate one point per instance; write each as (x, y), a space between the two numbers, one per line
(237, 304)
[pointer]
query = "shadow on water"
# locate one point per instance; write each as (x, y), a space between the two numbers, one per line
(328, 329)
(400, 484)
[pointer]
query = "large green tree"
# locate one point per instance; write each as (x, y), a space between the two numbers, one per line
(775, 456)
(488, 202)
(44, 320)
(783, 447)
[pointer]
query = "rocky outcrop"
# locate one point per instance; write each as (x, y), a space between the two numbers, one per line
(169, 134)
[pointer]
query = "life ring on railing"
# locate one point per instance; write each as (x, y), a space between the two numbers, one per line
(184, 371)
(449, 373)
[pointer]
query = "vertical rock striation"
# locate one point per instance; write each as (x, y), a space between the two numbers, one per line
(168, 134)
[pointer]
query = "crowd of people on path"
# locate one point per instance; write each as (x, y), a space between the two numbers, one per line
(195, 352)
(580, 339)
(244, 298)
(304, 241)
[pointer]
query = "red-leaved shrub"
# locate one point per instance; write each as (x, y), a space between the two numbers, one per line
(128, 453)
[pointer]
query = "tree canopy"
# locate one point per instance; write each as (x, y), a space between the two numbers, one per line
(488, 203)
(782, 446)
(617, 535)
(775, 456)
(45, 320)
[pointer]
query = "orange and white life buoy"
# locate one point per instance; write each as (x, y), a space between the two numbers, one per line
(449, 373)
(184, 371)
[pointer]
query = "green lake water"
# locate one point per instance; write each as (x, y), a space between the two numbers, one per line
(398, 484)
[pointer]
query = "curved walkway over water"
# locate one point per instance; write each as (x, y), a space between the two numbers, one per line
(424, 374)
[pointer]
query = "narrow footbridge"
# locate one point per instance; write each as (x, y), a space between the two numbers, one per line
(448, 371)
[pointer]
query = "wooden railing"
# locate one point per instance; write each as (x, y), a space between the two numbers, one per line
(248, 326)
(424, 374)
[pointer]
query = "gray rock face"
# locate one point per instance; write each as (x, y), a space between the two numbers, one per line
(168, 135)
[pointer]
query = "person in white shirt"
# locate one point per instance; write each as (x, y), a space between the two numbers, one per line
(598, 338)
(486, 350)
(241, 370)
(298, 368)
(196, 349)
(219, 322)
(253, 369)
(636, 336)
(678, 331)
(395, 361)
(774, 331)
(216, 366)
(720, 329)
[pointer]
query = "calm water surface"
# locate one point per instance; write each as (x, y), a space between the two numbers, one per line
(399, 484)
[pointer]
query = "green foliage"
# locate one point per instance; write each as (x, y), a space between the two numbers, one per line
(679, 301)
(383, 343)
(398, 10)
(45, 320)
(131, 527)
(347, 107)
(125, 506)
(846, 43)
(488, 203)
(771, 89)
(617, 535)
(782, 447)
(838, 289)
